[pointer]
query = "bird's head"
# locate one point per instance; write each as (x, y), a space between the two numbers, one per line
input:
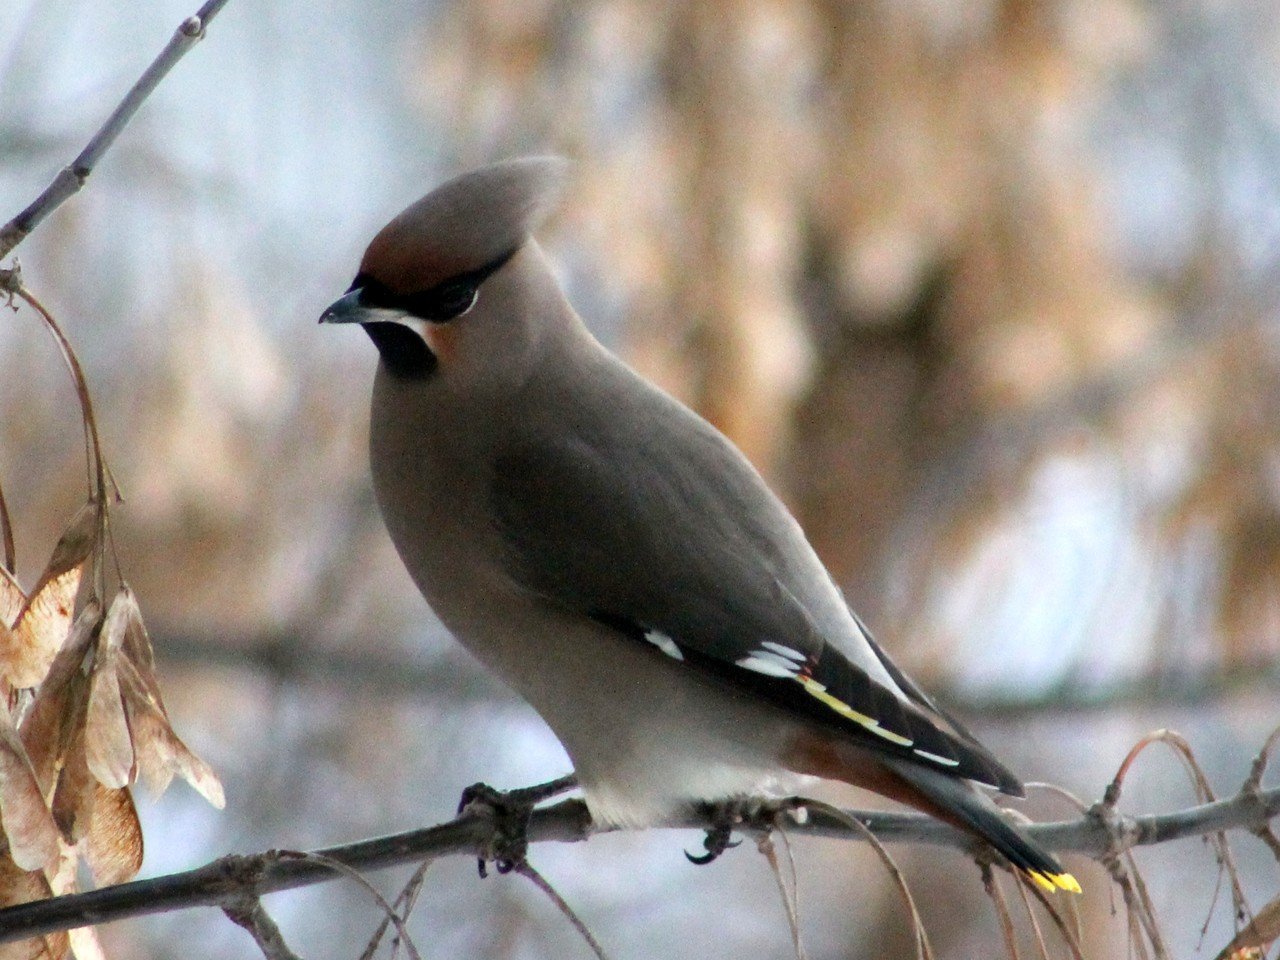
(444, 272)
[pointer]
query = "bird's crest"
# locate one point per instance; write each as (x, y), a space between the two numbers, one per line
(464, 224)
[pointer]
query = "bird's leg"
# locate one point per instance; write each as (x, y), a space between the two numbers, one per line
(716, 842)
(724, 815)
(544, 791)
(751, 813)
(509, 811)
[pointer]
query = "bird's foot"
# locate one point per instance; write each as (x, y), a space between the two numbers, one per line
(717, 841)
(724, 816)
(750, 813)
(508, 811)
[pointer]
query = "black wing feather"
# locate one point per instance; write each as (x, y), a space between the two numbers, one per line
(994, 772)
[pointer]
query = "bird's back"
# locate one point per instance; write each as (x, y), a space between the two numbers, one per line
(683, 519)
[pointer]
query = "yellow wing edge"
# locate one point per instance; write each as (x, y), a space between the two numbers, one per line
(1055, 881)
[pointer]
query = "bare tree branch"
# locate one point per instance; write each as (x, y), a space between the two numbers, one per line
(1101, 834)
(72, 177)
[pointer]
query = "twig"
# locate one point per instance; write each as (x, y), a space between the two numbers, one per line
(1073, 943)
(346, 870)
(100, 477)
(795, 889)
(1259, 767)
(766, 847)
(568, 821)
(538, 880)
(98, 472)
(6, 534)
(924, 950)
(404, 902)
(1253, 785)
(1077, 921)
(1137, 920)
(72, 177)
(1222, 847)
(1148, 914)
(1041, 946)
(10, 284)
(991, 884)
(247, 912)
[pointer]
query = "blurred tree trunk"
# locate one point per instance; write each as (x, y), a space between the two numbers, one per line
(958, 256)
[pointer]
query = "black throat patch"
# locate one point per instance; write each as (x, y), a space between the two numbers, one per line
(402, 350)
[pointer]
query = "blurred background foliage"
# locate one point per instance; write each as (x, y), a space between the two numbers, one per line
(987, 289)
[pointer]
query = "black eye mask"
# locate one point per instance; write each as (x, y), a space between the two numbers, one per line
(441, 303)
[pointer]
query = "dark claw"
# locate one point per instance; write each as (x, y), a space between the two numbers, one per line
(716, 842)
(510, 815)
(479, 791)
(510, 812)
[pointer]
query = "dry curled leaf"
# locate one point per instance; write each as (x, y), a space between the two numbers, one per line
(56, 717)
(160, 752)
(85, 945)
(7, 642)
(97, 720)
(45, 618)
(113, 844)
(64, 878)
(137, 648)
(75, 794)
(12, 599)
(28, 825)
(40, 631)
(108, 744)
(1256, 937)
(75, 545)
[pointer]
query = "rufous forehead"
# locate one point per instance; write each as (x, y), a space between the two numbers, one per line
(406, 262)
(463, 224)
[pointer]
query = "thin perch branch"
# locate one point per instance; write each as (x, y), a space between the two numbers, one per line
(248, 914)
(230, 879)
(73, 176)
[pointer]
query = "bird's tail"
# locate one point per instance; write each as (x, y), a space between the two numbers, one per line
(960, 804)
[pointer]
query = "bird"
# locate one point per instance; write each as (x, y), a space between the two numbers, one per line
(612, 556)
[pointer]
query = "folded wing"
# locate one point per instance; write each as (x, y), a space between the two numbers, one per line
(670, 537)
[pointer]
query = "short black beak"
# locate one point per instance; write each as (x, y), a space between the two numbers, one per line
(346, 309)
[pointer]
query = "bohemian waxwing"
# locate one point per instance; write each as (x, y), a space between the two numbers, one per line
(614, 558)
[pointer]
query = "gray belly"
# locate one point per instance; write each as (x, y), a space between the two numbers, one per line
(646, 734)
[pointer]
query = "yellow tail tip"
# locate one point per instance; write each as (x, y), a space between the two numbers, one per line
(1055, 881)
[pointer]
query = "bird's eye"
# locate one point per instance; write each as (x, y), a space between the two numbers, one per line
(453, 300)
